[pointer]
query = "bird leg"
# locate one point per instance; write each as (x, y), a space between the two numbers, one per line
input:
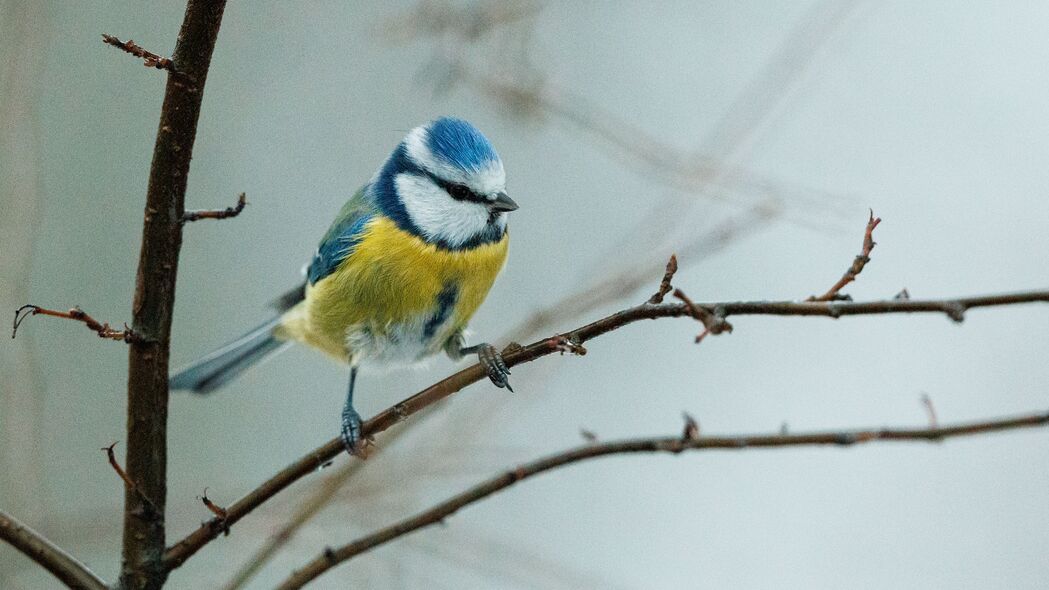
(351, 422)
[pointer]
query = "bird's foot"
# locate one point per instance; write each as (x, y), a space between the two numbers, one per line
(351, 435)
(494, 365)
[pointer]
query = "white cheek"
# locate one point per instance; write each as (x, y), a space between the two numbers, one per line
(438, 216)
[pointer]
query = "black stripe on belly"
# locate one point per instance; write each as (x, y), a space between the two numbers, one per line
(445, 302)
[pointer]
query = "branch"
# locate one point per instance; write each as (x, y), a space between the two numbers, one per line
(129, 485)
(861, 260)
(690, 441)
(324, 493)
(63, 566)
(151, 60)
(516, 355)
(147, 407)
(77, 314)
(226, 213)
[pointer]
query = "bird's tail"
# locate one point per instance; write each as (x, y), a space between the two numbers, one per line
(214, 370)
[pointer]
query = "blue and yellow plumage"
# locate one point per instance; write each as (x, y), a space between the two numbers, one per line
(401, 271)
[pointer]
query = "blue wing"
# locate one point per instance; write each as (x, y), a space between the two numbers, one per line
(342, 237)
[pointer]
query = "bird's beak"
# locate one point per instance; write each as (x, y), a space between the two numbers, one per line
(502, 202)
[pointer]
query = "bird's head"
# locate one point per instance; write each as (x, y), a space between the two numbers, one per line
(445, 184)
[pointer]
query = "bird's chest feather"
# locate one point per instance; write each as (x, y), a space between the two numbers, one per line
(396, 298)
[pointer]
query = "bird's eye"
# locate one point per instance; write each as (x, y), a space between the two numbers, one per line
(459, 192)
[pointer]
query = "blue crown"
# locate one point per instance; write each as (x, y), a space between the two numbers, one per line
(459, 144)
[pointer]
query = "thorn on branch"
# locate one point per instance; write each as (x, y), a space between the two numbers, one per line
(226, 213)
(664, 285)
(128, 484)
(903, 295)
(834, 293)
(713, 323)
(102, 329)
(150, 59)
(691, 431)
(219, 512)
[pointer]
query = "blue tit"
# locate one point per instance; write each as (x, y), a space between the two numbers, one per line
(406, 263)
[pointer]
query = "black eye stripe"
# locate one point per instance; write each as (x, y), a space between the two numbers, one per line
(459, 192)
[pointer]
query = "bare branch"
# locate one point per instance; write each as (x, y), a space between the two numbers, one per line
(320, 497)
(226, 213)
(691, 441)
(150, 59)
(60, 564)
(102, 329)
(861, 260)
(954, 308)
(154, 299)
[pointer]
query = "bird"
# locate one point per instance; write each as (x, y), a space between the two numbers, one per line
(401, 270)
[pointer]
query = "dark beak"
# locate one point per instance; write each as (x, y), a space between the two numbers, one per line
(502, 202)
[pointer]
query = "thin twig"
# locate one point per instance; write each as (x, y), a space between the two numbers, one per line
(834, 293)
(664, 285)
(214, 508)
(323, 493)
(953, 308)
(102, 329)
(677, 444)
(128, 483)
(219, 512)
(226, 213)
(150, 59)
(49, 556)
(713, 322)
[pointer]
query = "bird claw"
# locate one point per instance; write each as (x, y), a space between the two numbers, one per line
(351, 434)
(495, 366)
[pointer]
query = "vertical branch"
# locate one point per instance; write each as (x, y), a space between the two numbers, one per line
(146, 459)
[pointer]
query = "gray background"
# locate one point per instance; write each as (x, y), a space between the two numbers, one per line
(934, 114)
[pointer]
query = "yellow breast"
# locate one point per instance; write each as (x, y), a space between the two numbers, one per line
(391, 280)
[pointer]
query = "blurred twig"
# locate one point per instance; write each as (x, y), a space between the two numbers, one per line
(332, 557)
(322, 494)
(63, 566)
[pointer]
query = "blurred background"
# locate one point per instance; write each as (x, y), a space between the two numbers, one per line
(750, 138)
